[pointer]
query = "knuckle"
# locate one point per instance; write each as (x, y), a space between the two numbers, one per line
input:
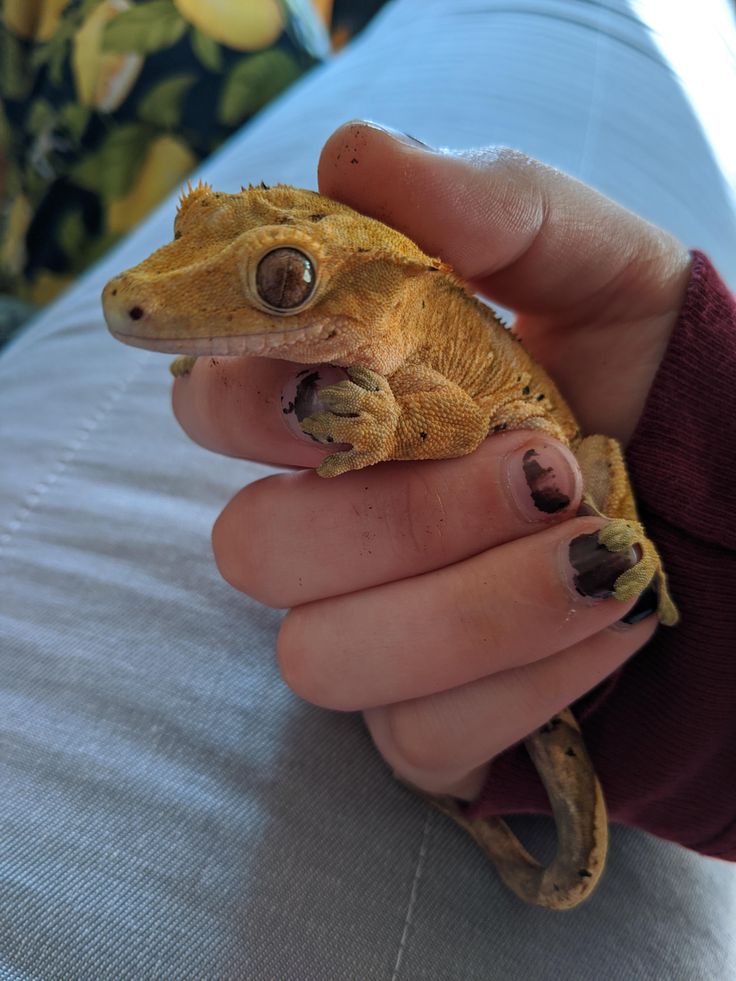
(414, 747)
(224, 554)
(296, 664)
(239, 550)
(292, 663)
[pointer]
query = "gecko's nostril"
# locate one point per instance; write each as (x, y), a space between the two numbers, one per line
(135, 313)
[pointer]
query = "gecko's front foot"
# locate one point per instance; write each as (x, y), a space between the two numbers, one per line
(362, 411)
(182, 365)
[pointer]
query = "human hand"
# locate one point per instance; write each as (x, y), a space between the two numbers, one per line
(424, 594)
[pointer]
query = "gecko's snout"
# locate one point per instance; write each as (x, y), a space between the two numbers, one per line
(120, 310)
(133, 317)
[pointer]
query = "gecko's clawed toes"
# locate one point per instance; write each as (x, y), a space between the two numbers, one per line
(343, 399)
(182, 366)
(339, 463)
(321, 426)
(369, 380)
(619, 534)
(634, 581)
(360, 411)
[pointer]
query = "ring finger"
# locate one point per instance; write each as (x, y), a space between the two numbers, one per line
(440, 743)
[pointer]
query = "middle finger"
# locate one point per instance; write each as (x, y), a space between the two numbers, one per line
(503, 608)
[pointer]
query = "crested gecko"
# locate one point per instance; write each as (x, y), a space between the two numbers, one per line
(431, 371)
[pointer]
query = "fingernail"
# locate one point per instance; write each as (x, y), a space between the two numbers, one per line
(542, 479)
(300, 396)
(400, 136)
(595, 568)
(644, 607)
(410, 140)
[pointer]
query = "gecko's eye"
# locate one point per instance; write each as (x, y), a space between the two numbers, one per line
(285, 279)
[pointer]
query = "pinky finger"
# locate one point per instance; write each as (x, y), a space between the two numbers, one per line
(441, 743)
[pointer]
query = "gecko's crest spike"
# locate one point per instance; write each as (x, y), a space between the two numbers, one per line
(184, 193)
(264, 186)
(191, 194)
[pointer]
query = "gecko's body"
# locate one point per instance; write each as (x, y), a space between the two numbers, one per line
(286, 273)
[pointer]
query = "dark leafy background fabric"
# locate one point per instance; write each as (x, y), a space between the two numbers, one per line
(107, 105)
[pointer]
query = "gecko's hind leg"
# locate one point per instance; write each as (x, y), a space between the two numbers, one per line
(608, 493)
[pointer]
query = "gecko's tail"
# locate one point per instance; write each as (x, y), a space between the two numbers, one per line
(561, 759)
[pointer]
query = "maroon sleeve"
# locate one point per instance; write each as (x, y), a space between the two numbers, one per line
(662, 730)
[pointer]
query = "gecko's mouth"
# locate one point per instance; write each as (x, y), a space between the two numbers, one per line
(277, 341)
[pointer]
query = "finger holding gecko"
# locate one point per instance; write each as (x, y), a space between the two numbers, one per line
(388, 523)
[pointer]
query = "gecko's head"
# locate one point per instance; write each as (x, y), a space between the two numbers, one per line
(279, 272)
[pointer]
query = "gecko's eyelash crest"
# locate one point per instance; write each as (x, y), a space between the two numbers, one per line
(285, 279)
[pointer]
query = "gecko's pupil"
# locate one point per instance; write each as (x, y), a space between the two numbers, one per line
(285, 278)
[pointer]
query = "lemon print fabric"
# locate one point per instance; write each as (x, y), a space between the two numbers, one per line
(107, 105)
(245, 26)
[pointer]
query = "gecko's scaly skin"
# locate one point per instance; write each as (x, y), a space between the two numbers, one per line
(286, 273)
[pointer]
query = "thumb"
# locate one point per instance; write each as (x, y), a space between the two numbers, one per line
(527, 235)
(595, 289)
